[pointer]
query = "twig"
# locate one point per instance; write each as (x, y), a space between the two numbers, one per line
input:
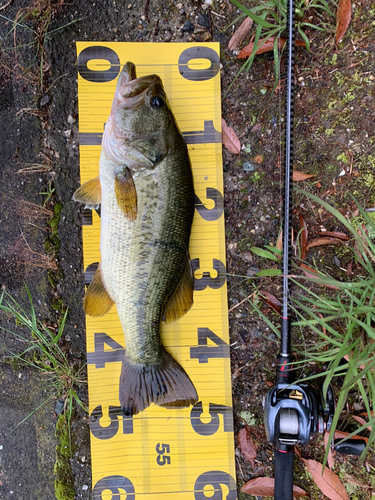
(6, 5)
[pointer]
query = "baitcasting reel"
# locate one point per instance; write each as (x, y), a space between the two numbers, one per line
(292, 413)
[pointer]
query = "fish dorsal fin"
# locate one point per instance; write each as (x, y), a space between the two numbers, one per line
(182, 299)
(126, 194)
(97, 302)
(90, 193)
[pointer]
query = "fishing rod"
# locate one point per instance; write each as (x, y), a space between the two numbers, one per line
(293, 410)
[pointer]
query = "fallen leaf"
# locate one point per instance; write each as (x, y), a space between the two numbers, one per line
(330, 458)
(258, 159)
(240, 34)
(301, 176)
(312, 273)
(365, 414)
(266, 47)
(265, 486)
(362, 421)
(349, 271)
(317, 242)
(304, 236)
(279, 244)
(326, 481)
(335, 234)
(229, 138)
(271, 300)
(355, 481)
(344, 14)
(343, 435)
(247, 445)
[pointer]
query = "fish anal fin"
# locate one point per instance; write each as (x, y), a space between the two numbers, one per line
(164, 383)
(182, 299)
(126, 194)
(90, 193)
(97, 302)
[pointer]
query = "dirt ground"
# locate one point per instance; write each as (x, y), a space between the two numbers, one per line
(334, 140)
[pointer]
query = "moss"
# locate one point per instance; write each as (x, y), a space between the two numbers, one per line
(64, 481)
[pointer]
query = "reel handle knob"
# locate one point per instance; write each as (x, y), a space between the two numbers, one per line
(350, 446)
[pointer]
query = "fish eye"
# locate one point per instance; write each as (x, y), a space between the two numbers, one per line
(157, 102)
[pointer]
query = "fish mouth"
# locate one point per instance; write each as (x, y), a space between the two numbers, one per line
(131, 91)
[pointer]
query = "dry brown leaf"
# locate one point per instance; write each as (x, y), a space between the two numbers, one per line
(279, 244)
(240, 34)
(342, 435)
(301, 176)
(317, 242)
(304, 236)
(247, 445)
(229, 138)
(266, 47)
(335, 234)
(326, 481)
(330, 457)
(271, 300)
(355, 481)
(258, 159)
(362, 421)
(312, 273)
(265, 486)
(344, 14)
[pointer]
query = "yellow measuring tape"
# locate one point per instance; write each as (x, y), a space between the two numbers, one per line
(163, 453)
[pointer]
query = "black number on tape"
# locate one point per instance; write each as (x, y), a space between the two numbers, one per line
(206, 280)
(215, 478)
(203, 352)
(100, 357)
(115, 414)
(94, 53)
(114, 484)
(211, 214)
(90, 271)
(209, 428)
(198, 75)
(162, 450)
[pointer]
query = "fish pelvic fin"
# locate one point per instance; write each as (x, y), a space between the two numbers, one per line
(126, 194)
(97, 302)
(182, 299)
(164, 383)
(90, 193)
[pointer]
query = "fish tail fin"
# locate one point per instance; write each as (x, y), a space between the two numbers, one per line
(164, 383)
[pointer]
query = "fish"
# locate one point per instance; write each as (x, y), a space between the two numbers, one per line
(146, 195)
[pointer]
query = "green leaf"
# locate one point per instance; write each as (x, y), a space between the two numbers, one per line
(269, 272)
(264, 253)
(254, 17)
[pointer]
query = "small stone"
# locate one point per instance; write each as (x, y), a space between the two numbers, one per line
(71, 119)
(129, 6)
(85, 487)
(179, 6)
(143, 18)
(167, 36)
(67, 133)
(181, 12)
(248, 167)
(336, 261)
(59, 406)
(252, 271)
(45, 100)
(188, 26)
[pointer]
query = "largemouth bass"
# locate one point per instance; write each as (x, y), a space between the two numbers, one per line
(145, 188)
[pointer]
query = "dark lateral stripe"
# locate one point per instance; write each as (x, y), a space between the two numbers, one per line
(208, 135)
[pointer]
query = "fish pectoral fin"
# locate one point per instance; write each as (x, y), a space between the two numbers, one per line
(90, 193)
(97, 302)
(182, 299)
(126, 194)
